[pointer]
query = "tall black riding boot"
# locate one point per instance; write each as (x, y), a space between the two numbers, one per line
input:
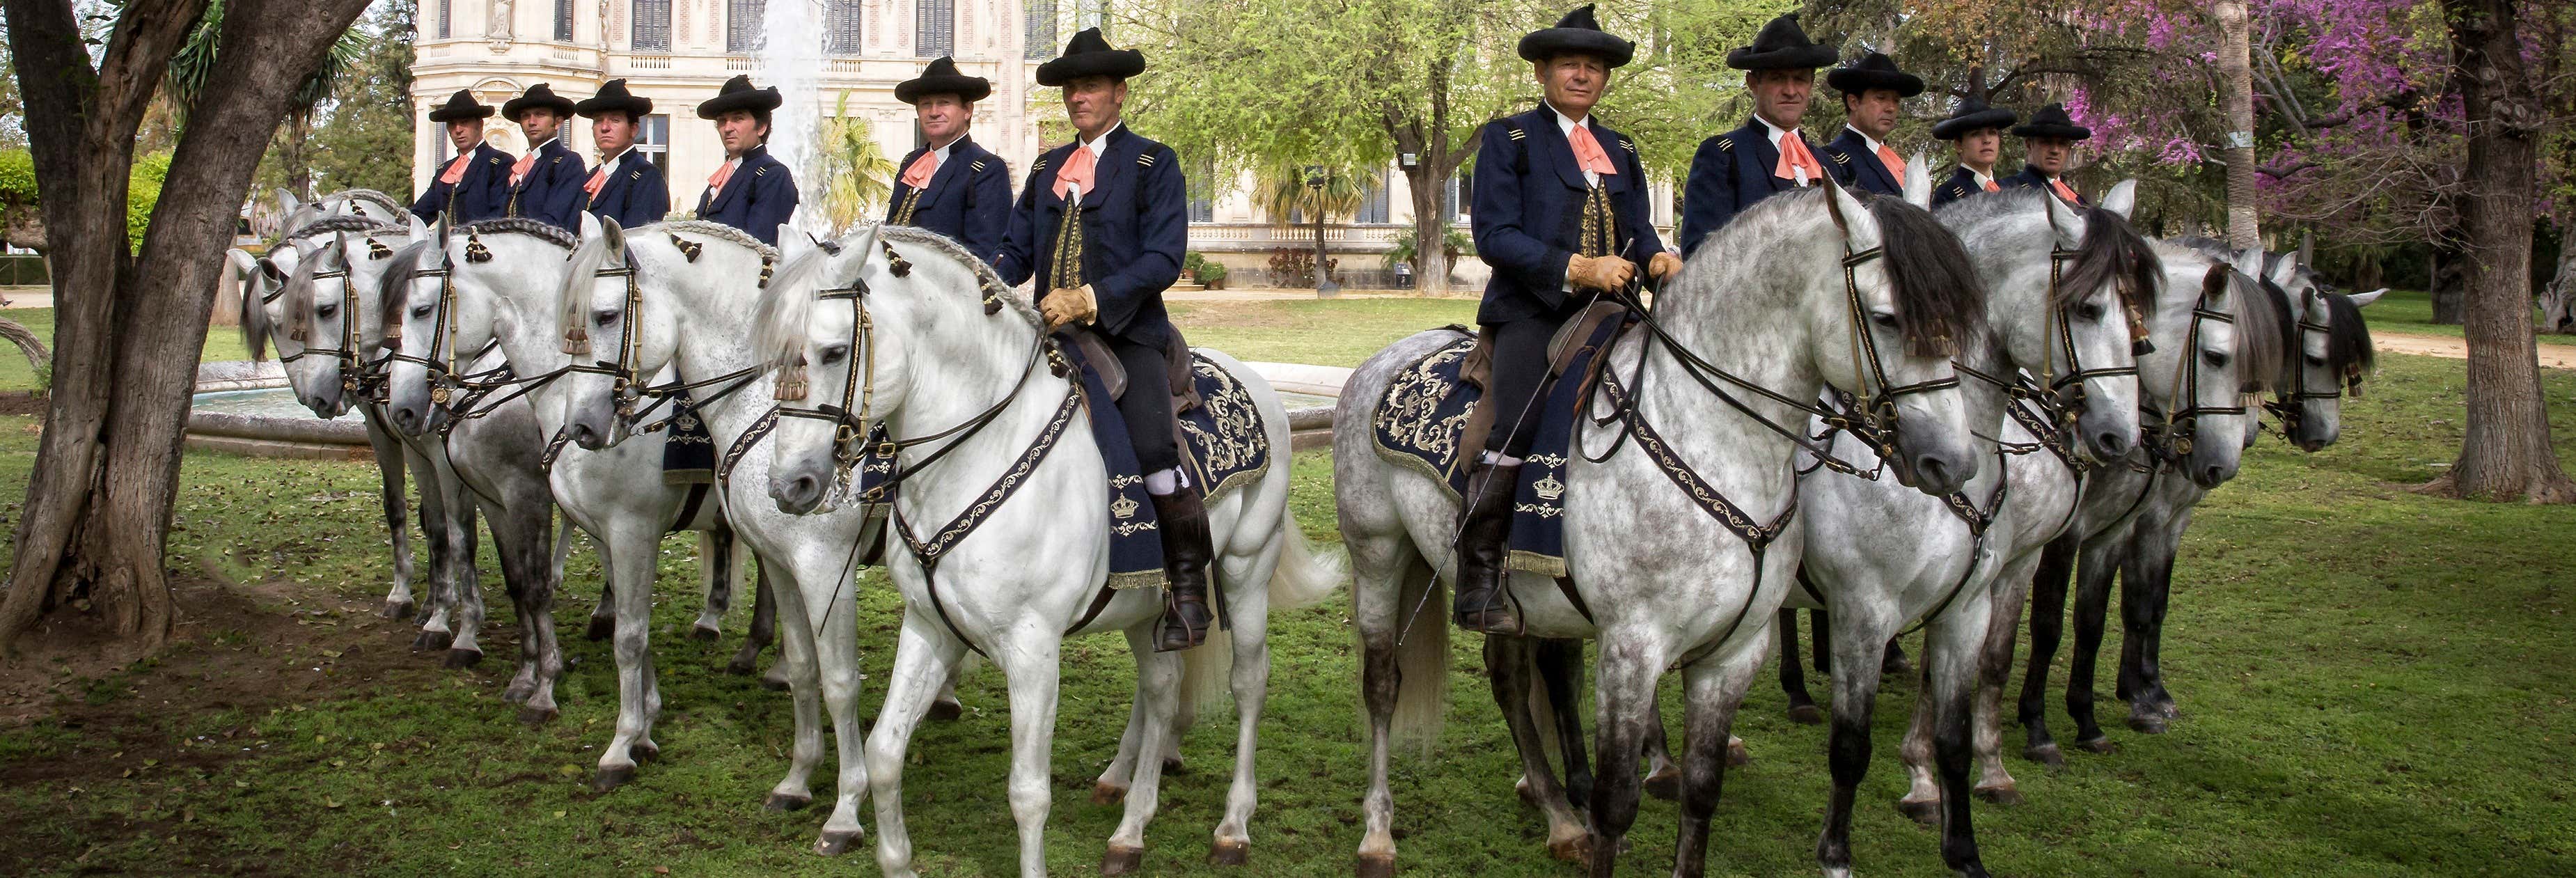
(1183, 517)
(1482, 550)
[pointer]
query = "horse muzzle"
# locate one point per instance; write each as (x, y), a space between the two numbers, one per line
(798, 492)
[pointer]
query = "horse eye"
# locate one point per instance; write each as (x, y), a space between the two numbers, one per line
(2090, 312)
(421, 311)
(2317, 361)
(1884, 320)
(835, 354)
(605, 317)
(325, 310)
(2215, 359)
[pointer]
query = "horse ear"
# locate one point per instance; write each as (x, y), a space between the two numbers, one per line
(419, 230)
(589, 225)
(1918, 182)
(2250, 261)
(615, 235)
(792, 244)
(1860, 230)
(2285, 270)
(2363, 300)
(2063, 218)
(286, 203)
(863, 243)
(2123, 198)
(340, 246)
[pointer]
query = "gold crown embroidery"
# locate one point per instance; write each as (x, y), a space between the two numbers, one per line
(1123, 507)
(1548, 488)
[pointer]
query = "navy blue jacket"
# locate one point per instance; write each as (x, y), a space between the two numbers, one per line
(1528, 207)
(1961, 184)
(552, 190)
(1135, 227)
(1730, 173)
(484, 193)
(1856, 166)
(2030, 178)
(968, 198)
(634, 194)
(757, 199)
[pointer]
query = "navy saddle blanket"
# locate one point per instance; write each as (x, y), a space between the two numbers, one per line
(1420, 424)
(1223, 446)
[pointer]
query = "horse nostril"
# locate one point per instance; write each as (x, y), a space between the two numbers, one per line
(2112, 443)
(1936, 472)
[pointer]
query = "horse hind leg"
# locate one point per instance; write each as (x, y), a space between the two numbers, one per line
(1713, 689)
(2047, 593)
(1793, 678)
(764, 628)
(1560, 668)
(1389, 579)
(2095, 568)
(1248, 678)
(2146, 590)
(716, 571)
(1158, 677)
(1511, 664)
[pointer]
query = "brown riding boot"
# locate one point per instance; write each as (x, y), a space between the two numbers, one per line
(1483, 548)
(1183, 517)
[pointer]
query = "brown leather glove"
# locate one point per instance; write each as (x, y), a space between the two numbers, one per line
(1074, 305)
(1664, 266)
(1608, 274)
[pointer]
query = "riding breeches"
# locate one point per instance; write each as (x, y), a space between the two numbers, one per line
(1147, 404)
(1519, 371)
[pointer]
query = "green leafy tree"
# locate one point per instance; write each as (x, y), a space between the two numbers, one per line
(194, 65)
(364, 135)
(861, 176)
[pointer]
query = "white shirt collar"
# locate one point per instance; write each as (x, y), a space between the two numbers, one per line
(542, 146)
(1777, 132)
(942, 151)
(1099, 146)
(1982, 179)
(621, 155)
(1865, 139)
(1565, 124)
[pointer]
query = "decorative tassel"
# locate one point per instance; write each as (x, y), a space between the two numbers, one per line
(764, 278)
(791, 381)
(576, 340)
(474, 249)
(894, 261)
(377, 249)
(687, 247)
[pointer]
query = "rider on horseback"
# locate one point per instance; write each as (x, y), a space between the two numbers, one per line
(1107, 270)
(1561, 204)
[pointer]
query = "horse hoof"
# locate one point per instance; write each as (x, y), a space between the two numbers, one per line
(774, 684)
(1896, 667)
(704, 634)
(835, 842)
(1122, 860)
(644, 752)
(518, 693)
(1230, 852)
(397, 610)
(2045, 754)
(1573, 850)
(742, 666)
(1923, 811)
(1737, 755)
(2101, 745)
(461, 657)
(1172, 764)
(601, 628)
(1376, 866)
(946, 711)
(534, 717)
(2002, 795)
(1807, 715)
(1666, 784)
(780, 803)
(611, 778)
(432, 641)
(1105, 793)
(2150, 723)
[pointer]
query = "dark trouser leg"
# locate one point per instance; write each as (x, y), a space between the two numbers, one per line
(1520, 367)
(1181, 511)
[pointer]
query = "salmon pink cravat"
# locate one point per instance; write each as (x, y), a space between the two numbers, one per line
(1794, 155)
(917, 175)
(2064, 191)
(716, 181)
(598, 179)
(1587, 151)
(519, 172)
(1895, 165)
(1076, 171)
(1992, 186)
(455, 172)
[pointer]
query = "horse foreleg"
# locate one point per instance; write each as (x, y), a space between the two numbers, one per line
(1625, 705)
(437, 526)
(1510, 665)
(1158, 681)
(1793, 678)
(2095, 566)
(1560, 667)
(804, 688)
(1030, 665)
(1712, 690)
(630, 549)
(2146, 591)
(2010, 590)
(716, 570)
(924, 654)
(466, 591)
(388, 451)
(1862, 639)
(836, 665)
(2047, 624)
(1952, 647)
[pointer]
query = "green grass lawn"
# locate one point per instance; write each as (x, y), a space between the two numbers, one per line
(2411, 311)
(1339, 332)
(2374, 683)
(222, 343)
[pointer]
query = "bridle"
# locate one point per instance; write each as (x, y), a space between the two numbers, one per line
(2290, 403)
(2171, 434)
(626, 382)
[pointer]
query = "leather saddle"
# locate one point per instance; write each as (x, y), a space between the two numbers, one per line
(1478, 367)
(1113, 374)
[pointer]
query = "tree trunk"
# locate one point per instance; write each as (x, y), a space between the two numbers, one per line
(1430, 226)
(299, 169)
(2506, 454)
(2236, 102)
(129, 327)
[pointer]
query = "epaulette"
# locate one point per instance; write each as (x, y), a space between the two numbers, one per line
(495, 160)
(1625, 144)
(1040, 166)
(1840, 158)
(1514, 130)
(977, 166)
(1725, 144)
(1145, 160)
(760, 171)
(635, 175)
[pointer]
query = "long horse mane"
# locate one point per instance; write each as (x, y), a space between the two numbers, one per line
(778, 329)
(379, 199)
(538, 229)
(392, 287)
(2112, 249)
(2262, 327)
(589, 255)
(1939, 299)
(342, 223)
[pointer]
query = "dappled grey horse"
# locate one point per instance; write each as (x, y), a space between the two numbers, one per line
(1678, 533)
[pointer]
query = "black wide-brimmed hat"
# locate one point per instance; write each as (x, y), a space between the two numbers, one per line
(1781, 46)
(942, 78)
(1972, 115)
(2051, 121)
(539, 97)
(1089, 54)
(737, 94)
(1577, 34)
(614, 98)
(460, 106)
(1874, 70)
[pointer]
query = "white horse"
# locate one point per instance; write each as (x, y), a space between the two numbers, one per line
(1677, 527)
(453, 295)
(331, 311)
(2217, 338)
(931, 340)
(1879, 555)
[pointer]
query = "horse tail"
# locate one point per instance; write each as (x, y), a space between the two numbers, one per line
(1304, 577)
(1421, 661)
(1206, 673)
